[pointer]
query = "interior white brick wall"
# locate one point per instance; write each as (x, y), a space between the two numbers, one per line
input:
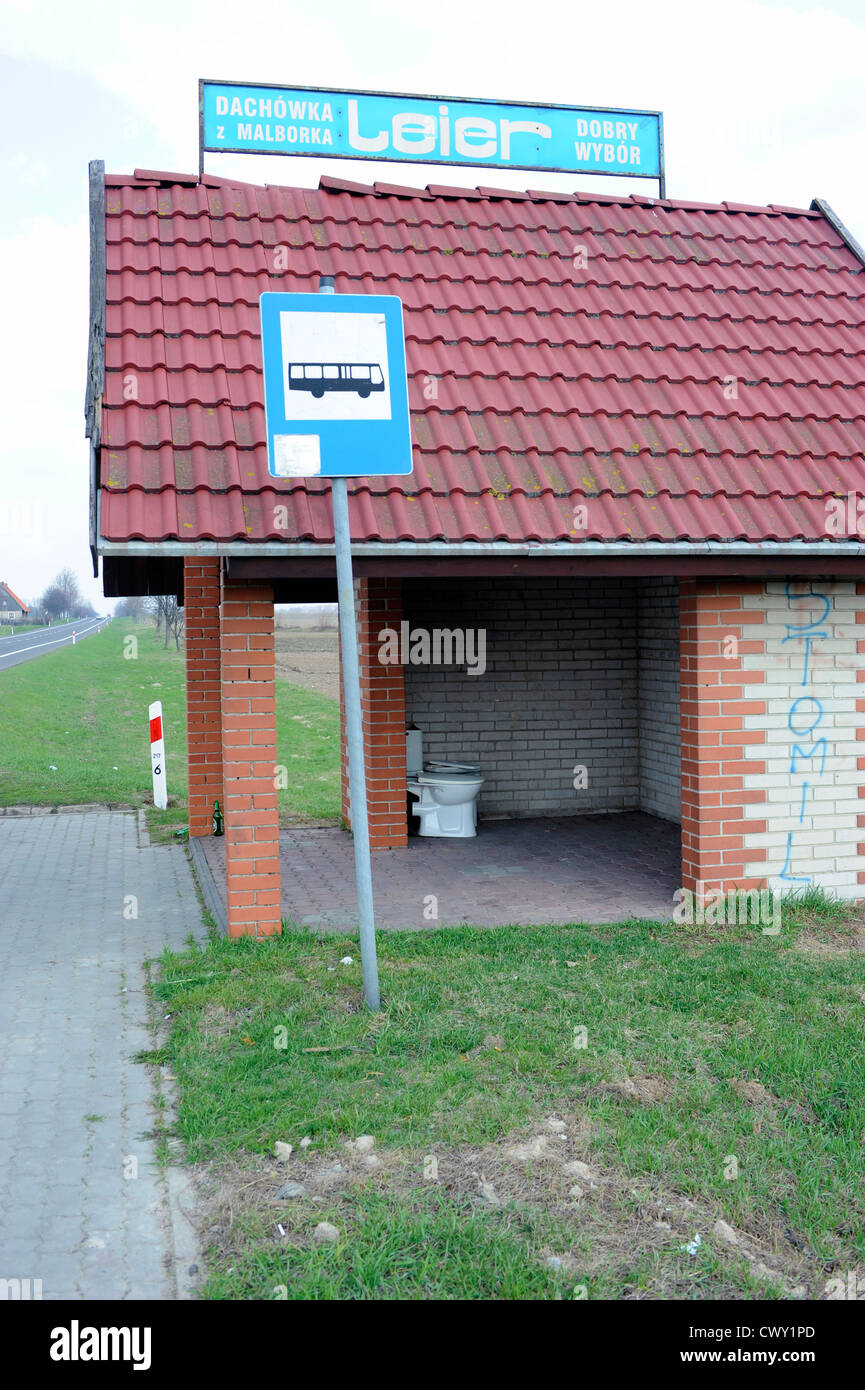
(658, 683)
(820, 831)
(561, 689)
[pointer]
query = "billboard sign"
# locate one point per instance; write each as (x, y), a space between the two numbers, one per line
(335, 385)
(249, 118)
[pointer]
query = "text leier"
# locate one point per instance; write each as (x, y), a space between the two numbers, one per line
(422, 134)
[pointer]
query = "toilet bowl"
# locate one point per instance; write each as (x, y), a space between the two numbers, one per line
(446, 799)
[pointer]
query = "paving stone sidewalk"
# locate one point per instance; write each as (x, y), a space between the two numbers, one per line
(74, 1106)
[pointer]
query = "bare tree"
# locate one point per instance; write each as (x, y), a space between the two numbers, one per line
(173, 618)
(54, 602)
(153, 609)
(67, 582)
(62, 598)
(168, 616)
(132, 608)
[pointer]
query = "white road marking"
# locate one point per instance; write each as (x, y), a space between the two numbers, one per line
(31, 646)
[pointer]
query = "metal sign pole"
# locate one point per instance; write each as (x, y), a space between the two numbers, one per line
(354, 729)
(354, 736)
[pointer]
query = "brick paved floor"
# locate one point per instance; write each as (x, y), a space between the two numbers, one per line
(72, 1015)
(568, 869)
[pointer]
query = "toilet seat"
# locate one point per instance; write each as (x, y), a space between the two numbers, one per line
(446, 779)
(456, 769)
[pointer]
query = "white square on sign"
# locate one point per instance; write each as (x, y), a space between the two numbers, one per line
(335, 366)
(296, 455)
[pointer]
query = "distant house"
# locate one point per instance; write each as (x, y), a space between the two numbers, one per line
(12, 609)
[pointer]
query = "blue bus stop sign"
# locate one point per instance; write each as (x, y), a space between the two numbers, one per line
(335, 388)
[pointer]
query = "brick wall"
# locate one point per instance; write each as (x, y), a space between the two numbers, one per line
(252, 872)
(772, 748)
(203, 691)
(807, 827)
(658, 678)
(560, 689)
(716, 697)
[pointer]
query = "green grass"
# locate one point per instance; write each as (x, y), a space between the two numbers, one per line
(84, 709)
(691, 1008)
(692, 1013)
(426, 1248)
(307, 739)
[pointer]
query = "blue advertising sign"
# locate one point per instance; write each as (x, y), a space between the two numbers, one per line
(256, 119)
(335, 387)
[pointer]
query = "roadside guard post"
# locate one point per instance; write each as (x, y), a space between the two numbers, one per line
(336, 402)
(157, 756)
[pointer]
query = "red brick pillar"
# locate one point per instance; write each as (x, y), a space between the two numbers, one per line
(382, 688)
(203, 692)
(714, 705)
(252, 877)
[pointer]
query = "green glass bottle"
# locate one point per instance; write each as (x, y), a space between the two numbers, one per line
(218, 821)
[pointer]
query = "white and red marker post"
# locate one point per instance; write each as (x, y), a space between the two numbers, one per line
(157, 756)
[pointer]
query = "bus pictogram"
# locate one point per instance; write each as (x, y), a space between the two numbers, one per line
(318, 377)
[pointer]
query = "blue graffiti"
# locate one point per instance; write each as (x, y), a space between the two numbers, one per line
(799, 751)
(808, 641)
(792, 878)
(808, 632)
(801, 701)
(797, 598)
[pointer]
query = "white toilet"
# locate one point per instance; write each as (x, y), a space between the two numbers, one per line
(447, 793)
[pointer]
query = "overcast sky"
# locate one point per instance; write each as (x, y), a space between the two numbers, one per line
(762, 103)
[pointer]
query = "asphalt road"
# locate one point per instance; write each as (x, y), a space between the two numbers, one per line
(24, 646)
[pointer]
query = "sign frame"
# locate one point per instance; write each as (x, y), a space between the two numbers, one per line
(360, 443)
(317, 153)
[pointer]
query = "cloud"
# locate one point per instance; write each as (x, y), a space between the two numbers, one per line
(43, 520)
(761, 101)
(23, 168)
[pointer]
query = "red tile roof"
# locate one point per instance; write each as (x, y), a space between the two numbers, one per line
(4, 589)
(534, 385)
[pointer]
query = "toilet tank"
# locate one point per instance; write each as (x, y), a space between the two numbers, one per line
(413, 751)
